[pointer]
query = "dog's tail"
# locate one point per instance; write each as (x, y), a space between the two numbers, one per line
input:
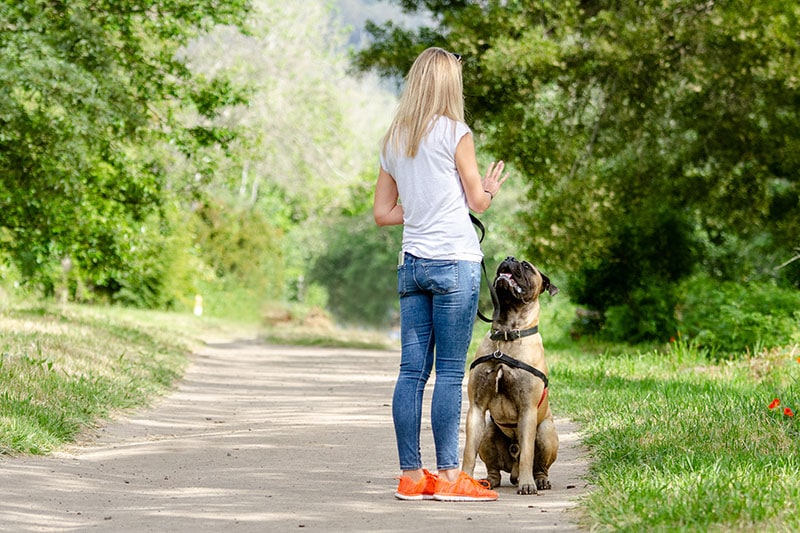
(497, 379)
(503, 379)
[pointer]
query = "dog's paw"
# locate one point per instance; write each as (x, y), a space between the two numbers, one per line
(543, 484)
(527, 489)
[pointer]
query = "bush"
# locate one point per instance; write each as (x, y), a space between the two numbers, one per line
(649, 314)
(240, 251)
(730, 317)
(633, 285)
(359, 271)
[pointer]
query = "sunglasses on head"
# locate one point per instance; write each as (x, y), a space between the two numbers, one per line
(457, 56)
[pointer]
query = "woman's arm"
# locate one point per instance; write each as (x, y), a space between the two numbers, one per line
(479, 191)
(385, 209)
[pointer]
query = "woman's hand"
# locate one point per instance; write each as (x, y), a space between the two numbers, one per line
(494, 178)
(479, 190)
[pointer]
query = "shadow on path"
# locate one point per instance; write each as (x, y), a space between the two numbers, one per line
(266, 438)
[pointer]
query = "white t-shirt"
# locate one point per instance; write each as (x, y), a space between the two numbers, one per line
(436, 222)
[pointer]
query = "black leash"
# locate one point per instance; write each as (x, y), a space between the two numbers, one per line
(492, 293)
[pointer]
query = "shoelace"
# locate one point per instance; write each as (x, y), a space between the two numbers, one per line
(485, 483)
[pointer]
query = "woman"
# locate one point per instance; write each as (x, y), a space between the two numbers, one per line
(428, 163)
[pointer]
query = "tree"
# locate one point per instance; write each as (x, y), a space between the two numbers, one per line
(657, 138)
(86, 83)
(306, 150)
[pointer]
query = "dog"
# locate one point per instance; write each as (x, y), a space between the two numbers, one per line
(508, 379)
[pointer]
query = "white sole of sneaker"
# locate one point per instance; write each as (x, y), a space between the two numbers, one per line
(408, 498)
(413, 498)
(452, 498)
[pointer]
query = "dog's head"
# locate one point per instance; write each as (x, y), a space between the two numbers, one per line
(520, 282)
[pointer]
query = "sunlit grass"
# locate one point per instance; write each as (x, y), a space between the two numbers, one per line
(310, 326)
(682, 444)
(62, 369)
(678, 440)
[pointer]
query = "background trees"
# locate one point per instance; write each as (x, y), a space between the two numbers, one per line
(86, 86)
(657, 139)
(162, 149)
(153, 150)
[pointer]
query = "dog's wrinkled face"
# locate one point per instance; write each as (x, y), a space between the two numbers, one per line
(520, 281)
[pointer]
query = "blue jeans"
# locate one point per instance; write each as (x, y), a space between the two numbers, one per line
(438, 304)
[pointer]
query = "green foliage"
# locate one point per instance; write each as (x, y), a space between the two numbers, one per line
(621, 114)
(635, 283)
(242, 262)
(736, 317)
(163, 269)
(358, 270)
(304, 140)
(85, 83)
(649, 313)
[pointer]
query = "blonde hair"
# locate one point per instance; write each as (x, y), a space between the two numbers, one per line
(433, 88)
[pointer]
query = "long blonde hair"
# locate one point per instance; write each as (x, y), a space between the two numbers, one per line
(433, 88)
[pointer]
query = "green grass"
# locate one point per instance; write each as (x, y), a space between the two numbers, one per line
(63, 369)
(678, 440)
(680, 444)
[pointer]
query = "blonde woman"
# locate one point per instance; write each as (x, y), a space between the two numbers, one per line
(428, 181)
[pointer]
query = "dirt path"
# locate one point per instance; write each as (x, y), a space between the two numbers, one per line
(266, 438)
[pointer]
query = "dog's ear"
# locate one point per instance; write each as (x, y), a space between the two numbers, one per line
(547, 286)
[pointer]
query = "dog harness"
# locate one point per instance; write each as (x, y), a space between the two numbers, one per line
(500, 357)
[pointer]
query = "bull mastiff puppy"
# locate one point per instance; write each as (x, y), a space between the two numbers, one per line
(508, 380)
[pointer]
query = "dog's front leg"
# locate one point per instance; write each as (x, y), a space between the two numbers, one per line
(526, 429)
(476, 424)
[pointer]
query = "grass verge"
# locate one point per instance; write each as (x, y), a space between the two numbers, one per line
(678, 440)
(682, 444)
(62, 369)
(309, 326)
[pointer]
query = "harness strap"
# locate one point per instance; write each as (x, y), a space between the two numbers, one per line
(512, 334)
(510, 361)
(544, 395)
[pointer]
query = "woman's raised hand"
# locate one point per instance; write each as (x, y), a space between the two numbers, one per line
(494, 178)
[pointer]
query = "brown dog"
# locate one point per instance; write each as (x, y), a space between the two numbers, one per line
(508, 379)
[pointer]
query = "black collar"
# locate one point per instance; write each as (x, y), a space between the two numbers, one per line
(512, 334)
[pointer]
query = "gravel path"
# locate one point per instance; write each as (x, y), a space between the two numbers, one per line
(266, 438)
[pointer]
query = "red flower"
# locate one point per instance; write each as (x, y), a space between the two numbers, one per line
(775, 403)
(788, 412)
(798, 359)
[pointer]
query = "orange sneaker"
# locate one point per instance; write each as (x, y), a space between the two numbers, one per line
(416, 490)
(463, 489)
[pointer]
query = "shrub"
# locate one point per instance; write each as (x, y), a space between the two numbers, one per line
(358, 270)
(732, 317)
(649, 314)
(633, 284)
